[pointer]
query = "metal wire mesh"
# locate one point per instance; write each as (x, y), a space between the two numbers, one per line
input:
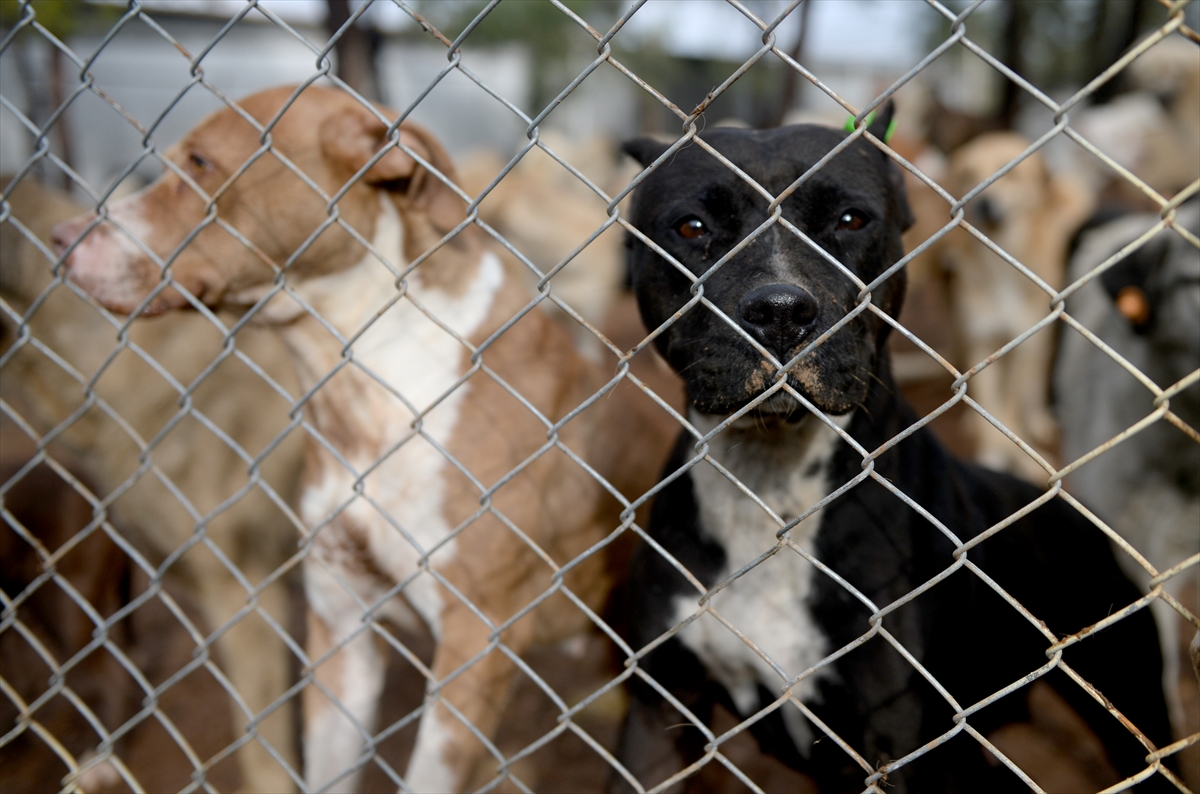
(202, 509)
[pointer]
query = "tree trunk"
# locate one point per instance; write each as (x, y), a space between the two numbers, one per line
(355, 55)
(62, 128)
(792, 84)
(1118, 24)
(1015, 30)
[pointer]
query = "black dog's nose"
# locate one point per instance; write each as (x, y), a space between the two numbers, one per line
(778, 316)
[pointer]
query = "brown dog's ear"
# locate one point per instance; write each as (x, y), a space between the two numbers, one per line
(428, 192)
(1069, 205)
(352, 139)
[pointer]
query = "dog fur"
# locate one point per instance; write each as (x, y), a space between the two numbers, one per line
(546, 212)
(253, 533)
(421, 476)
(1031, 214)
(784, 642)
(1152, 129)
(1148, 486)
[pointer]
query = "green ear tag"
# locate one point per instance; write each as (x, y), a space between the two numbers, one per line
(887, 135)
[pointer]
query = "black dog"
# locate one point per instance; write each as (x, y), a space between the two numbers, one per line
(777, 295)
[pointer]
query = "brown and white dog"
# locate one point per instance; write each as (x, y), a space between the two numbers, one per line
(427, 497)
(1030, 214)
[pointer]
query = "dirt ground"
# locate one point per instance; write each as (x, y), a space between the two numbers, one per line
(99, 689)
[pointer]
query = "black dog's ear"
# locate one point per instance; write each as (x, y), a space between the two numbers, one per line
(896, 180)
(644, 150)
(880, 128)
(883, 119)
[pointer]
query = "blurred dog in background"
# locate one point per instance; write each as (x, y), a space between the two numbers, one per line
(1146, 307)
(1030, 214)
(1152, 128)
(190, 471)
(546, 212)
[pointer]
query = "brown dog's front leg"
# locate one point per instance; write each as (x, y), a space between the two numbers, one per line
(448, 756)
(340, 705)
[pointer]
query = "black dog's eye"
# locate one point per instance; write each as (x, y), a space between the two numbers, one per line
(851, 221)
(691, 228)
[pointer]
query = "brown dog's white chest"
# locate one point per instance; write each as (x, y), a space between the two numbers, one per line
(376, 494)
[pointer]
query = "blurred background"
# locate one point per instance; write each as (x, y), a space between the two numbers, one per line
(528, 52)
(129, 79)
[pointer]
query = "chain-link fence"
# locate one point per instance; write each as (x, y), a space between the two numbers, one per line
(306, 491)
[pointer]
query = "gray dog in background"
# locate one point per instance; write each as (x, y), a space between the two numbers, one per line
(1147, 309)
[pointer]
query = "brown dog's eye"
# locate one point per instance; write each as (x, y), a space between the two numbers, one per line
(198, 163)
(691, 228)
(851, 221)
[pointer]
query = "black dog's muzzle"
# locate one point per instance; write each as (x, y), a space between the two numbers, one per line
(778, 316)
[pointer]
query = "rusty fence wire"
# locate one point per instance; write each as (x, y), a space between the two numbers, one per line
(172, 448)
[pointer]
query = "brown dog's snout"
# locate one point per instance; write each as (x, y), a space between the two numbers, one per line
(64, 234)
(778, 316)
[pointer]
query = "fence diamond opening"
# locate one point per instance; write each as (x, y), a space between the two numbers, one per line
(166, 532)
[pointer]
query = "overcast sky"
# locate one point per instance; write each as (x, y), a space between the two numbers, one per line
(875, 31)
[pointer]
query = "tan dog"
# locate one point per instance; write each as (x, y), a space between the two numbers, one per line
(189, 462)
(546, 212)
(1031, 214)
(425, 493)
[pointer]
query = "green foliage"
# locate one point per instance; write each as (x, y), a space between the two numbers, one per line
(61, 17)
(1055, 44)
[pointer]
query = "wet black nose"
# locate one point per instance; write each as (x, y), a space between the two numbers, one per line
(778, 316)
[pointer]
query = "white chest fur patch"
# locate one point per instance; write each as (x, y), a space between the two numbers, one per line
(418, 359)
(789, 472)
